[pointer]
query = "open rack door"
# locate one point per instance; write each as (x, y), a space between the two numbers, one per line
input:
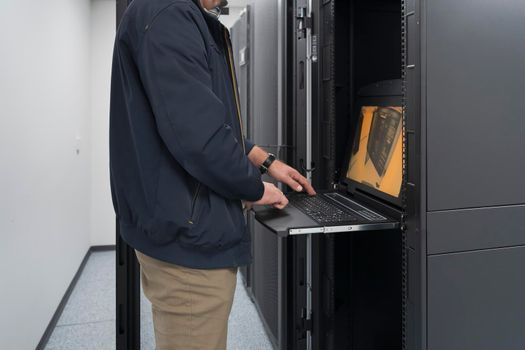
(304, 42)
(127, 276)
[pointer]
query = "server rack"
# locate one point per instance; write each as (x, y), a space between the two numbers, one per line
(270, 284)
(462, 236)
(447, 219)
(465, 241)
(460, 283)
(240, 38)
(127, 325)
(317, 283)
(353, 312)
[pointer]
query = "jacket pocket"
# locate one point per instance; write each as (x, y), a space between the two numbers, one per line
(193, 215)
(174, 198)
(218, 223)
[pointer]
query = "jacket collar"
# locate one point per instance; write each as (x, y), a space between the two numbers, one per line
(215, 27)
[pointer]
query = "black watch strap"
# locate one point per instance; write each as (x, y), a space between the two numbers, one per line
(267, 163)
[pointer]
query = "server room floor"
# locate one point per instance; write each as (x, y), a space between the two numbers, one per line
(88, 320)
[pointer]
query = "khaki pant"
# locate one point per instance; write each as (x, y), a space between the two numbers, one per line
(190, 306)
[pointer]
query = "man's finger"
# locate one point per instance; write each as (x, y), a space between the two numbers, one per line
(293, 184)
(304, 182)
(282, 203)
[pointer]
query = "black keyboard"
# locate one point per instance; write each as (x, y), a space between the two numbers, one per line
(359, 209)
(321, 210)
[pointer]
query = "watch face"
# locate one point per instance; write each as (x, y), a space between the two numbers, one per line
(266, 164)
(269, 160)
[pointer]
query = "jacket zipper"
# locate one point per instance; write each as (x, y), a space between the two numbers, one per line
(234, 83)
(237, 104)
(193, 203)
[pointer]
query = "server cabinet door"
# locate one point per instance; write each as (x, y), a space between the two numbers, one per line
(304, 94)
(127, 298)
(240, 38)
(475, 300)
(270, 124)
(302, 86)
(474, 90)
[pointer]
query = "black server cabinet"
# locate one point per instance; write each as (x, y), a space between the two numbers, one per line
(460, 270)
(358, 278)
(462, 236)
(451, 278)
(281, 86)
(127, 325)
(240, 38)
(324, 298)
(271, 124)
(465, 231)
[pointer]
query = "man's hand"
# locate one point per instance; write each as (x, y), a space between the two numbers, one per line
(272, 196)
(288, 175)
(281, 172)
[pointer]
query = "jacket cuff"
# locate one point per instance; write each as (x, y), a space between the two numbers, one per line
(248, 145)
(258, 193)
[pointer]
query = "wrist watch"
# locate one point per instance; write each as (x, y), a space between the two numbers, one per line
(266, 164)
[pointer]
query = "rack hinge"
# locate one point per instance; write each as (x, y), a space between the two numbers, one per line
(306, 323)
(304, 22)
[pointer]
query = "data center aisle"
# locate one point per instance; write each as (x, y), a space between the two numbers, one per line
(88, 320)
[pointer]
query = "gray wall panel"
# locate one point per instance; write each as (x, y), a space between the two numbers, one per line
(266, 274)
(264, 130)
(476, 70)
(240, 35)
(470, 229)
(263, 57)
(476, 300)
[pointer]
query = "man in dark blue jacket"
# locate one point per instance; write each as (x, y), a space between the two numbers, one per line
(180, 167)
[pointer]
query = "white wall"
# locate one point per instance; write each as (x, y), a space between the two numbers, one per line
(103, 22)
(230, 19)
(55, 61)
(44, 183)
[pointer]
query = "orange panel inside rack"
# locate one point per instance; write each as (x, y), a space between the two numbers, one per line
(377, 159)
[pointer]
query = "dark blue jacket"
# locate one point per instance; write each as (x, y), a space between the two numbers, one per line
(178, 160)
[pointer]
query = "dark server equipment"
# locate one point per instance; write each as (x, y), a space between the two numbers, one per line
(450, 276)
(268, 281)
(460, 200)
(459, 188)
(360, 275)
(240, 38)
(302, 284)
(464, 234)
(127, 325)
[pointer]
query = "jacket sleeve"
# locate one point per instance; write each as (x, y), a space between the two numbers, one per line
(172, 62)
(249, 145)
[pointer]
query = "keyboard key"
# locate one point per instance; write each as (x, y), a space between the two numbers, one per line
(320, 210)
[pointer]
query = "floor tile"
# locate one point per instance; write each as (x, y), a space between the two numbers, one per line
(100, 266)
(91, 301)
(147, 336)
(245, 328)
(87, 336)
